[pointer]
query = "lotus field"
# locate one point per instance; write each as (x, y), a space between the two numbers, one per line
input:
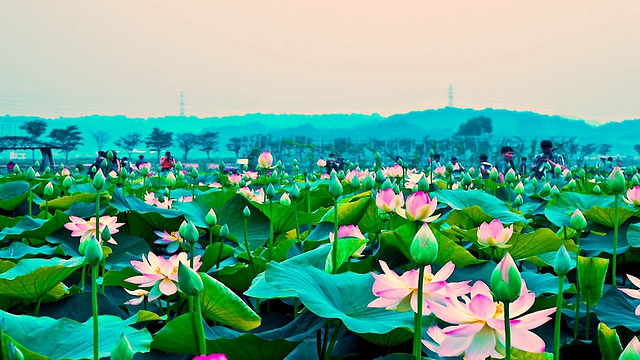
(275, 262)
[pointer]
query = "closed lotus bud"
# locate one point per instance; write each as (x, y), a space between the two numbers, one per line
(110, 155)
(632, 351)
(519, 189)
(211, 219)
(189, 282)
(567, 174)
(355, 182)
(518, 200)
(546, 188)
(616, 181)
(562, 261)
(368, 183)
(144, 171)
(180, 176)
(14, 353)
(191, 234)
(307, 184)
(193, 173)
(466, 180)
(431, 153)
(67, 182)
(275, 174)
(635, 180)
(472, 171)
(376, 156)
(178, 166)
(279, 165)
(123, 173)
(171, 179)
(335, 187)
(580, 174)
(37, 164)
(104, 163)
(312, 177)
(380, 176)
(341, 175)
(493, 174)
(222, 166)
(506, 282)
(510, 177)
(246, 212)
(596, 189)
(285, 200)
(449, 167)
(294, 193)
(572, 185)
(578, 220)
(48, 189)
(386, 184)
(30, 174)
(224, 231)
(93, 251)
(270, 191)
(105, 235)
(424, 247)
(554, 191)
(534, 182)
(182, 228)
(557, 170)
(98, 180)
(423, 185)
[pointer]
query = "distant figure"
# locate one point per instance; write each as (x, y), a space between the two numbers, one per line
(610, 165)
(332, 164)
(167, 162)
(140, 161)
(506, 161)
(124, 163)
(436, 161)
(523, 165)
(10, 166)
(547, 156)
(485, 166)
(457, 168)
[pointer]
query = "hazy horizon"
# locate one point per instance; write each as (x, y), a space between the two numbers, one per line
(134, 58)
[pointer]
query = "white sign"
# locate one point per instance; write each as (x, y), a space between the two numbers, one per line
(17, 155)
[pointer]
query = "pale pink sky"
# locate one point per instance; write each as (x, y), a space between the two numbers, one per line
(75, 57)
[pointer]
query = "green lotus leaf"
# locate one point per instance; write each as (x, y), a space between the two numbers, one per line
(32, 278)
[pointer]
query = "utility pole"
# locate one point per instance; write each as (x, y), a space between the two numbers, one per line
(181, 104)
(450, 95)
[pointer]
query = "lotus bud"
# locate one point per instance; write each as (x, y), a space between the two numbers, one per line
(374, 167)
(572, 185)
(493, 174)
(123, 173)
(635, 180)
(547, 166)
(171, 179)
(580, 174)
(30, 174)
(554, 191)
(449, 167)
(616, 181)
(578, 220)
(37, 164)
(562, 261)
(380, 176)
(193, 173)
(519, 189)
(224, 231)
(534, 182)
(67, 182)
(424, 247)
(222, 166)
(105, 235)
(396, 189)
(567, 174)
(285, 200)
(211, 219)
(546, 188)
(294, 193)
(98, 180)
(182, 228)
(48, 189)
(191, 234)
(93, 251)
(466, 180)
(178, 166)
(341, 175)
(511, 177)
(506, 282)
(596, 189)
(279, 165)
(270, 191)
(14, 353)
(518, 201)
(368, 183)
(180, 176)
(189, 282)
(104, 163)
(386, 184)
(307, 184)
(312, 177)
(246, 212)
(632, 351)
(376, 156)
(16, 169)
(423, 185)
(144, 171)
(432, 153)
(355, 182)
(557, 170)
(335, 187)
(472, 172)
(242, 183)
(275, 174)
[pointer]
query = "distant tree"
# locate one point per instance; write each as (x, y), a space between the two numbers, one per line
(208, 142)
(235, 145)
(637, 148)
(101, 137)
(585, 150)
(604, 149)
(475, 127)
(68, 139)
(129, 142)
(34, 128)
(158, 140)
(186, 142)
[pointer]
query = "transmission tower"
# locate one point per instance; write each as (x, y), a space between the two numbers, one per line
(450, 96)
(182, 103)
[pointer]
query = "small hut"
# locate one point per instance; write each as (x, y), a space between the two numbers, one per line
(26, 143)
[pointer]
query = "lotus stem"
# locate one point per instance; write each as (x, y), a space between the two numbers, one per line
(82, 276)
(210, 235)
(104, 269)
(309, 209)
(577, 323)
(246, 245)
(270, 229)
(37, 309)
(199, 327)
(334, 250)
(94, 307)
(333, 340)
(556, 331)
(615, 241)
(295, 308)
(586, 332)
(417, 324)
(507, 331)
(29, 200)
(295, 218)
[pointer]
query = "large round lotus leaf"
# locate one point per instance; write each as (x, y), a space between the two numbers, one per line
(12, 194)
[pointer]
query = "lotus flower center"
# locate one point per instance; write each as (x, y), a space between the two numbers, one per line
(499, 309)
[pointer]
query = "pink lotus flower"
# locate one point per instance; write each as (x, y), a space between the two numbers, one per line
(325, 176)
(255, 196)
(634, 293)
(150, 198)
(211, 357)
(394, 171)
(494, 234)
(355, 173)
(87, 229)
(172, 240)
(160, 274)
(633, 196)
(265, 160)
(478, 330)
(350, 231)
(234, 179)
(140, 293)
(419, 208)
(250, 174)
(388, 201)
(400, 292)
(185, 199)
(632, 351)
(440, 170)
(321, 162)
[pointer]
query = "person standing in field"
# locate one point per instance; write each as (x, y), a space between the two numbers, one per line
(485, 166)
(167, 162)
(547, 156)
(506, 161)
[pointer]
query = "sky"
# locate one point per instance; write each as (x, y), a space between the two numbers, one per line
(577, 59)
